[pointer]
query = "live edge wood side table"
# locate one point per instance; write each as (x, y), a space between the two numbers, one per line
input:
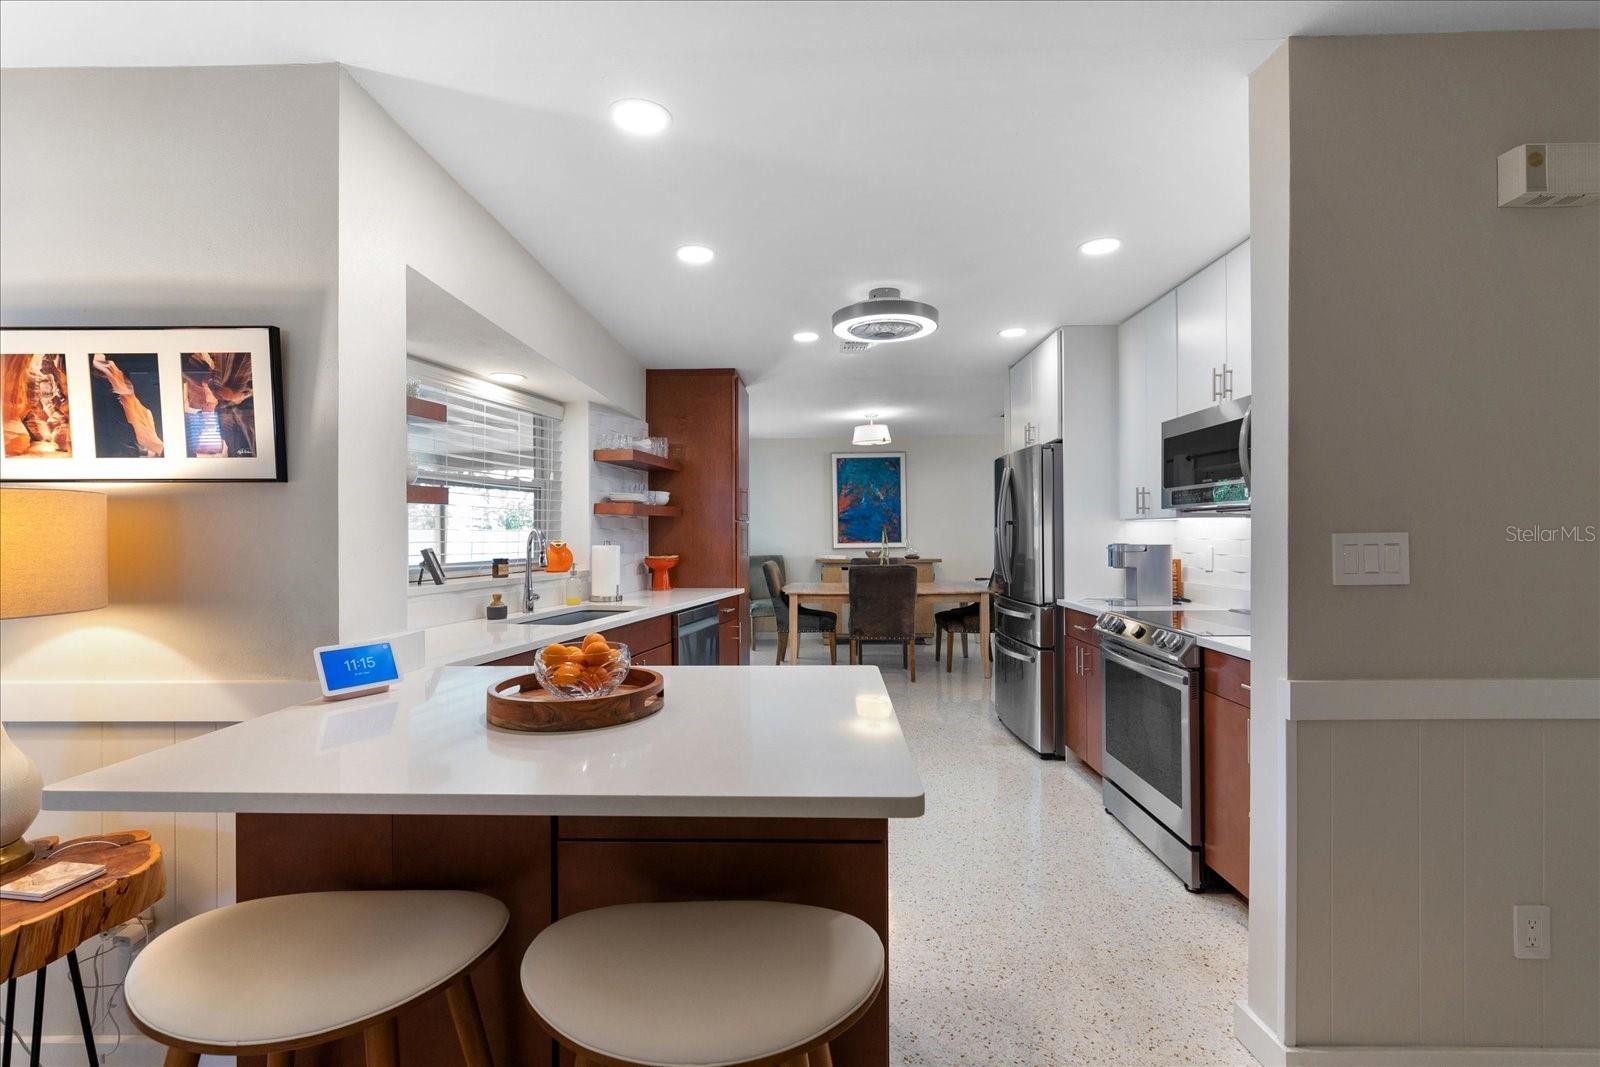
(35, 934)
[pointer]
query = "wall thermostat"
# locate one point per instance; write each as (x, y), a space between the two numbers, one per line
(355, 670)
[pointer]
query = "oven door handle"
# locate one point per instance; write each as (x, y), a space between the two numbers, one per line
(1170, 675)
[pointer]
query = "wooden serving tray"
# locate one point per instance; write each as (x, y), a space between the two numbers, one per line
(521, 703)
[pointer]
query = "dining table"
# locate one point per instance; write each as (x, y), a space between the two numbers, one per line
(839, 593)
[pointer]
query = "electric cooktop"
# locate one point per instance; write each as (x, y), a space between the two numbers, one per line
(1212, 623)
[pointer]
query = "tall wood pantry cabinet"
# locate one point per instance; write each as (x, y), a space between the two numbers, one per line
(705, 416)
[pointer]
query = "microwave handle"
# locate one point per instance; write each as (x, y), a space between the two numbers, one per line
(1244, 449)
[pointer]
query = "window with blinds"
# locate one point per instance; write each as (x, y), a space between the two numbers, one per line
(497, 454)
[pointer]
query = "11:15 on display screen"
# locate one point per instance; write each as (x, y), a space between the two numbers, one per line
(357, 666)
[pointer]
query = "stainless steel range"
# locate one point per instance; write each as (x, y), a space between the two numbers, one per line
(1151, 679)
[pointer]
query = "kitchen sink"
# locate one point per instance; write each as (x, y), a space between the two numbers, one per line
(568, 618)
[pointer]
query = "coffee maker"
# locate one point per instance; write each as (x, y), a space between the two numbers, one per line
(1147, 572)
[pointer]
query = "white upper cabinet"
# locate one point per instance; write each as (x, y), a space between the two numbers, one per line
(1214, 333)
(1033, 406)
(1019, 405)
(1147, 367)
(1238, 378)
(1046, 361)
(1202, 337)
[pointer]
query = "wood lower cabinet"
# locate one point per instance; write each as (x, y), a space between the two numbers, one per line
(730, 632)
(1225, 769)
(649, 643)
(1081, 688)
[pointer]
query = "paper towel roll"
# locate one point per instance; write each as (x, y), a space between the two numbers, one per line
(605, 572)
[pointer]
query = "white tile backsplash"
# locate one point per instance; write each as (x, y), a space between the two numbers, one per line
(1215, 552)
(632, 534)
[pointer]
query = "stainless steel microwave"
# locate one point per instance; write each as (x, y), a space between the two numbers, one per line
(1205, 460)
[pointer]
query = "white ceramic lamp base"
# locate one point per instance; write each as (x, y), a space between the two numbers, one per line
(20, 787)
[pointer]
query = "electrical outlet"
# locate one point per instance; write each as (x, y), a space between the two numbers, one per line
(1530, 925)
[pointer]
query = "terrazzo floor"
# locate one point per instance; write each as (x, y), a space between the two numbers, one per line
(1027, 926)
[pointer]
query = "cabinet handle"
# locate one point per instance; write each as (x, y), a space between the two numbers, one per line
(1077, 660)
(1245, 686)
(1227, 383)
(1216, 384)
(1080, 629)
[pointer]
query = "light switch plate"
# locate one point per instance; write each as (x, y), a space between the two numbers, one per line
(1371, 559)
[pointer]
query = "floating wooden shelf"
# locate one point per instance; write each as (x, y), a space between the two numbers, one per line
(427, 494)
(643, 511)
(636, 460)
(417, 408)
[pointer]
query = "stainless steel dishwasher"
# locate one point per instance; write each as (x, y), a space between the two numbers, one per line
(695, 637)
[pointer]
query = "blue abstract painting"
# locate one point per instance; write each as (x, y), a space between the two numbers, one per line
(869, 499)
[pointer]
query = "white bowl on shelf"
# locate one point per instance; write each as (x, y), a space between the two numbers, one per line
(659, 497)
(629, 498)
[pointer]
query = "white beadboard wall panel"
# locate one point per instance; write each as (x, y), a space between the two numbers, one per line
(632, 534)
(1313, 988)
(197, 851)
(1374, 839)
(1439, 913)
(1413, 842)
(1571, 847)
(1502, 865)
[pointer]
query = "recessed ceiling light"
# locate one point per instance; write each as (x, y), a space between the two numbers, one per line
(642, 118)
(1100, 246)
(696, 254)
(508, 377)
(805, 337)
(1013, 331)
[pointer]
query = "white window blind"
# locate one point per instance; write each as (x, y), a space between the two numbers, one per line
(499, 455)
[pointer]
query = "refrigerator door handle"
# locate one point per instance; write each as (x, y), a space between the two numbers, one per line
(1002, 525)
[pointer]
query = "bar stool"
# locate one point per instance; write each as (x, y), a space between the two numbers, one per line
(269, 976)
(715, 983)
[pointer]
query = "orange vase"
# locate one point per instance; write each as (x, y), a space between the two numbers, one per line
(558, 558)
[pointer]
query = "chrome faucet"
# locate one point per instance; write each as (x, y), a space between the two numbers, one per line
(529, 597)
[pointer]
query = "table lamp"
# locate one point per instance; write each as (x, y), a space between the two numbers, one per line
(52, 561)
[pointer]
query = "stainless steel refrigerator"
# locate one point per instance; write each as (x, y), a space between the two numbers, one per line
(1028, 564)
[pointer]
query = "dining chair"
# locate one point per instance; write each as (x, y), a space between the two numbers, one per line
(962, 619)
(812, 620)
(762, 605)
(883, 608)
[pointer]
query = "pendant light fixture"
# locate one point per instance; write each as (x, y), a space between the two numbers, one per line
(870, 433)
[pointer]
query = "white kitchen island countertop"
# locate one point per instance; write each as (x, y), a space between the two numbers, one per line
(775, 742)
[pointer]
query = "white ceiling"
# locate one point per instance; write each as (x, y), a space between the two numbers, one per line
(959, 150)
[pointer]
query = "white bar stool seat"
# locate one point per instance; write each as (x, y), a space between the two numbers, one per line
(703, 983)
(281, 973)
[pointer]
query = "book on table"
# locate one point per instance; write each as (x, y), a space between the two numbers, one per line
(51, 881)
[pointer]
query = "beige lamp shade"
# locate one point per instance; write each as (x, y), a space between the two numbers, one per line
(52, 551)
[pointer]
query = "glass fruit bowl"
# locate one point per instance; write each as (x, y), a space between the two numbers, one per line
(591, 668)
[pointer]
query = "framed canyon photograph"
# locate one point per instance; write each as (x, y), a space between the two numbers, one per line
(869, 499)
(164, 404)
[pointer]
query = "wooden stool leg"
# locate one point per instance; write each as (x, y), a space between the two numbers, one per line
(963, 644)
(911, 658)
(833, 648)
(382, 1043)
(280, 1059)
(937, 635)
(469, 1023)
(949, 650)
(821, 1056)
(177, 1057)
(783, 640)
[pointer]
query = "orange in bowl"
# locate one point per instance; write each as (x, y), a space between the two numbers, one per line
(595, 669)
